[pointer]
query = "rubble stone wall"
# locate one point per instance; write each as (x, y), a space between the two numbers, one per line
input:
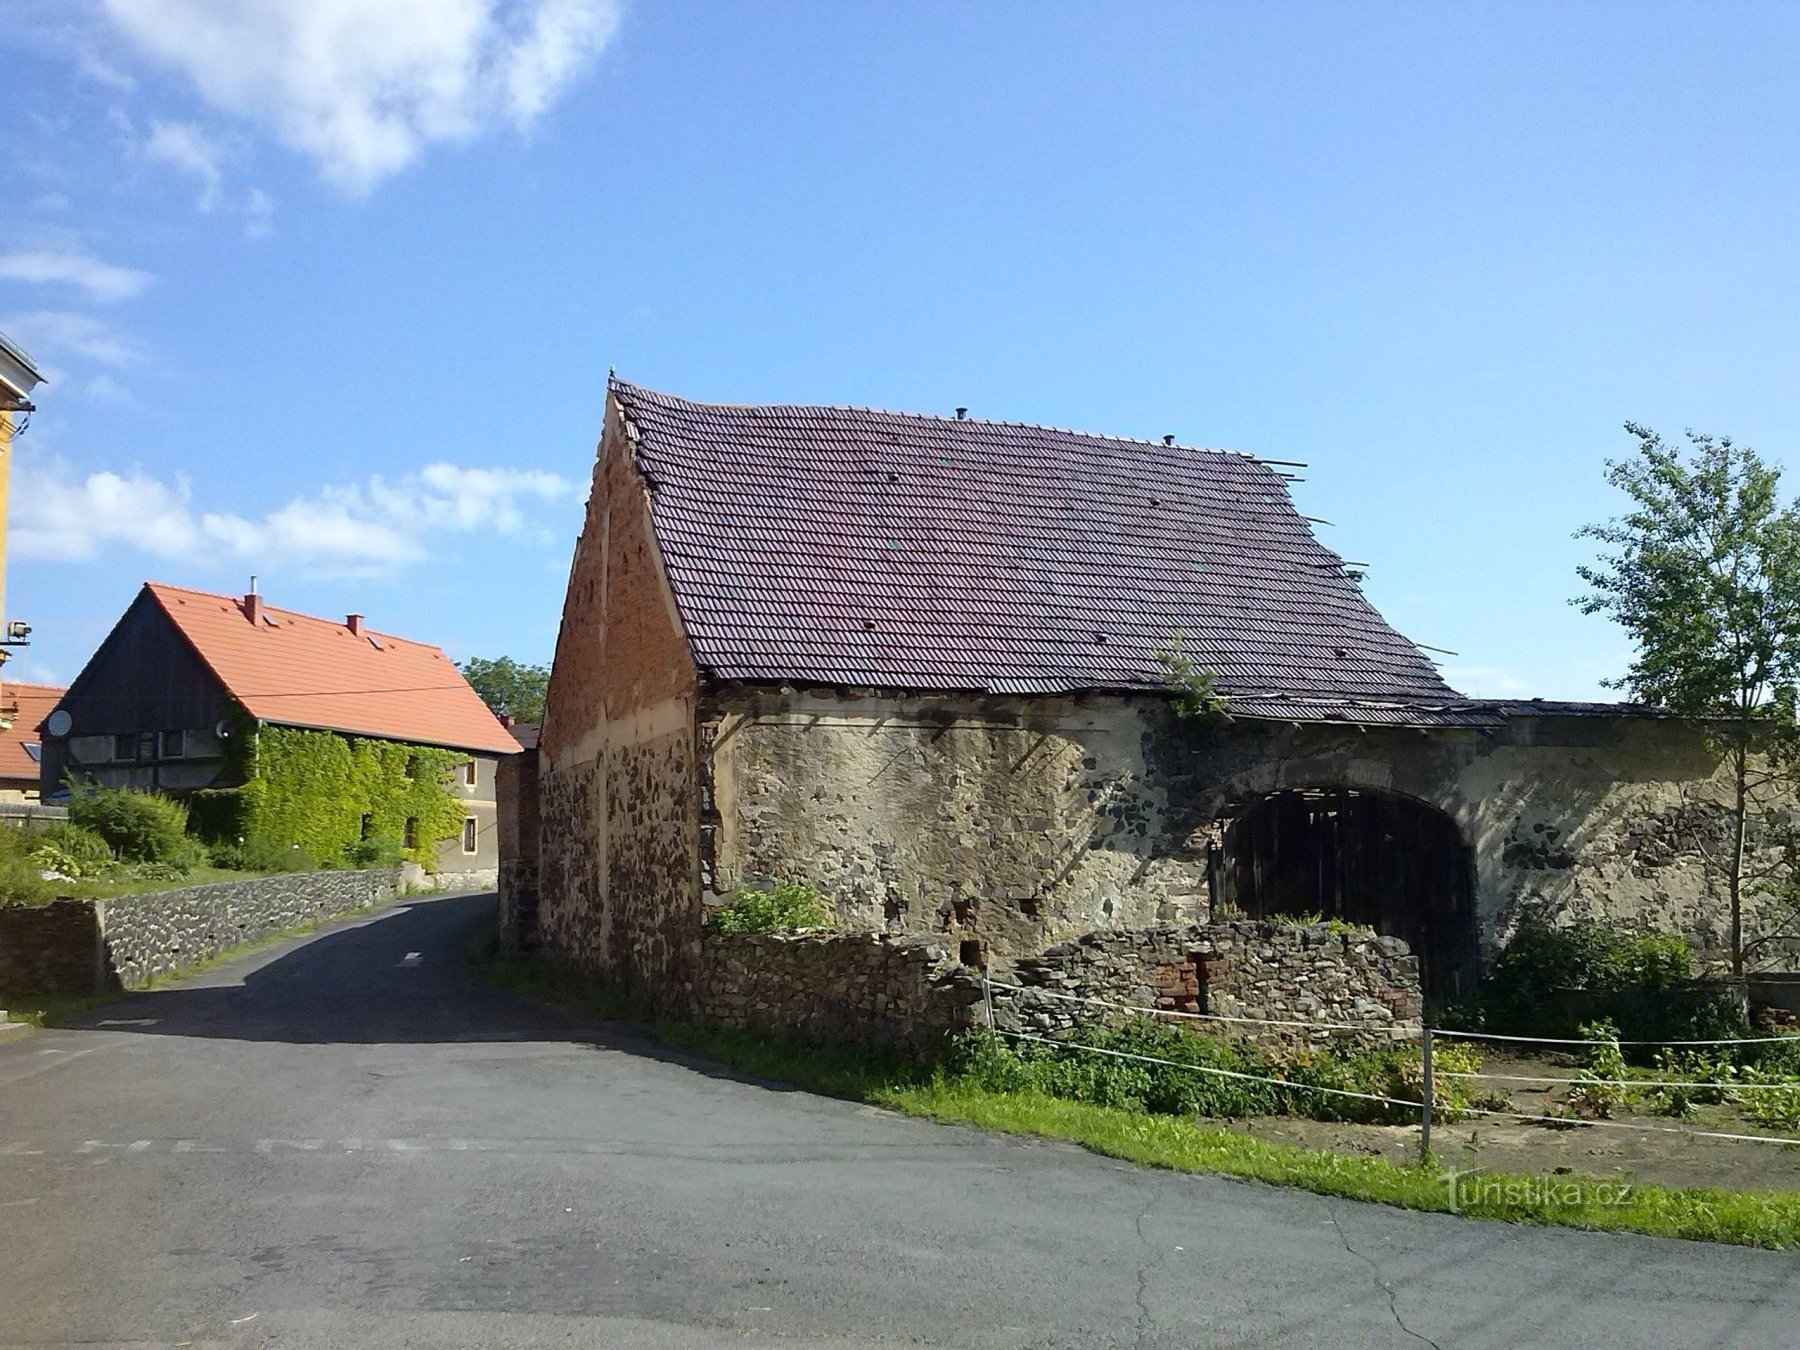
(1029, 821)
(858, 987)
(89, 946)
(1262, 972)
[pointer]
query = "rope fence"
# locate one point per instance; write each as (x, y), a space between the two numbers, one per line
(1430, 1072)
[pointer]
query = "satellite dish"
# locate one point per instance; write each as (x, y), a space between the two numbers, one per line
(59, 722)
(223, 729)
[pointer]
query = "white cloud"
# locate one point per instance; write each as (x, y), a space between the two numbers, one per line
(184, 146)
(47, 267)
(374, 527)
(62, 521)
(363, 86)
(189, 148)
(57, 332)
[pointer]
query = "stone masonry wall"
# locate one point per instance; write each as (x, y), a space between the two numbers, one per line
(862, 987)
(618, 871)
(1240, 968)
(1028, 821)
(86, 946)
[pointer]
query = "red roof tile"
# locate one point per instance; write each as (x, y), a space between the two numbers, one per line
(859, 548)
(306, 672)
(34, 702)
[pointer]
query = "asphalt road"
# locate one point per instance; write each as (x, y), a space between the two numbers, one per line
(350, 1141)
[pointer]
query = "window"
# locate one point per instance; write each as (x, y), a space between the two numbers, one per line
(174, 744)
(412, 766)
(146, 747)
(125, 746)
(36, 752)
(468, 834)
(411, 838)
(469, 773)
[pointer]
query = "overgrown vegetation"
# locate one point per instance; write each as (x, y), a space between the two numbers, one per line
(330, 795)
(1195, 692)
(1086, 1066)
(138, 827)
(782, 910)
(1549, 981)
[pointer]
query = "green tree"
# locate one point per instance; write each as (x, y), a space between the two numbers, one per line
(507, 686)
(1703, 572)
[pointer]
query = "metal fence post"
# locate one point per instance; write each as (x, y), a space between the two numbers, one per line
(987, 998)
(1428, 1091)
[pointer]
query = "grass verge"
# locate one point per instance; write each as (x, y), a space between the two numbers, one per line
(1746, 1218)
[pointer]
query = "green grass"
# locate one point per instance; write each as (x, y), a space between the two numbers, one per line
(883, 1078)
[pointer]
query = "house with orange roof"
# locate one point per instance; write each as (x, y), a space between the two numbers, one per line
(189, 684)
(26, 705)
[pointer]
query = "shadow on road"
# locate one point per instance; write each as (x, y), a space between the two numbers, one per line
(401, 977)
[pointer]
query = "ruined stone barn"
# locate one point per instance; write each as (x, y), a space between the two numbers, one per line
(917, 663)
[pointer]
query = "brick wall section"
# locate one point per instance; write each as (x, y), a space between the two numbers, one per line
(618, 877)
(52, 949)
(1237, 968)
(861, 987)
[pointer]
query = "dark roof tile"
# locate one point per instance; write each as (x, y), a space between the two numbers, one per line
(867, 549)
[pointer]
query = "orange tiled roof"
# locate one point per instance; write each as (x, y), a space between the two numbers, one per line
(34, 702)
(305, 672)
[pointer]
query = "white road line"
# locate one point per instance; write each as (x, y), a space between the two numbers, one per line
(59, 1058)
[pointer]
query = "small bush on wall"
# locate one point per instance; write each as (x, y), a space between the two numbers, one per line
(778, 911)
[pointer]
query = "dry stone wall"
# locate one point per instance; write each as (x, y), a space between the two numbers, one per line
(88, 946)
(1236, 969)
(860, 987)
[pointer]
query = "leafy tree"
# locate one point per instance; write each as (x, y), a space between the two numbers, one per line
(1704, 573)
(507, 686)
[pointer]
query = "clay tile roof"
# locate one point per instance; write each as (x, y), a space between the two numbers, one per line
(300, 671)
(858, 548)
(34, 703)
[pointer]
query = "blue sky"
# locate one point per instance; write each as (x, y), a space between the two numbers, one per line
(328, 289)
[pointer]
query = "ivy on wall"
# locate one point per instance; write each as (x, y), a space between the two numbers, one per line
(324, 791)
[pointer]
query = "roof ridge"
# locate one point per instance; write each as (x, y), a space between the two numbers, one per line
(615, 383)
(296, 613)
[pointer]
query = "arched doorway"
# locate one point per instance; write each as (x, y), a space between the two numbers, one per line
(1367, 857)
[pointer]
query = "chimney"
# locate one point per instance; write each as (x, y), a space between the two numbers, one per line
(506, 720)
(354, 623)
(253, 607)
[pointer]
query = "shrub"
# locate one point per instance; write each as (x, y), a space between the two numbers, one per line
(137, 826)
(778, 911)
(376, 851)
(259, 853)
(21, 882)
(69, 851)
(1184, 1087)
(1548, 981)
